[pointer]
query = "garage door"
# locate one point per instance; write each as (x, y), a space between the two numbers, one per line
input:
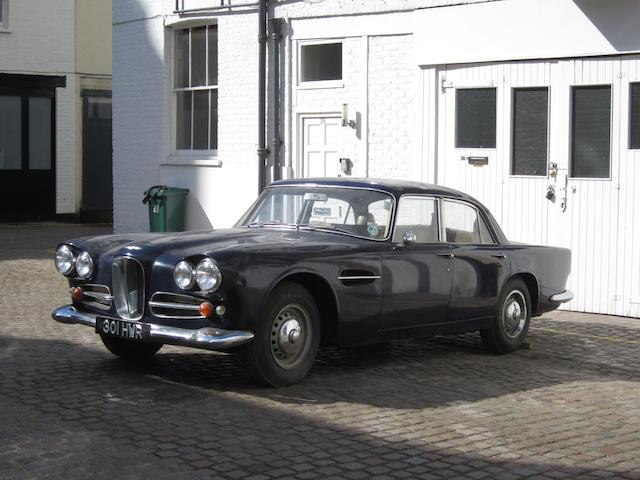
(547, 146)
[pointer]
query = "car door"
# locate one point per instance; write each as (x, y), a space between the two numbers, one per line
(480, 264)
(417, 269)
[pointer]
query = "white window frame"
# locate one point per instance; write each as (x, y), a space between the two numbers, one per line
(4, 24)
(318, 83)
(208, 157)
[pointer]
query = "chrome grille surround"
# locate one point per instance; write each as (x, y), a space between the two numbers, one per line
(175, 305)
(96, 296)
(128, 287)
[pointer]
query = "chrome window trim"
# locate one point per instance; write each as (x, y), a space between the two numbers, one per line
(480, 216)
(427, 197)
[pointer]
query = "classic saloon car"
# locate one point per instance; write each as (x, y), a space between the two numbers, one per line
(336, 261)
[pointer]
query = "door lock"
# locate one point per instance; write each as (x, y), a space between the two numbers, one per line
(551, 193)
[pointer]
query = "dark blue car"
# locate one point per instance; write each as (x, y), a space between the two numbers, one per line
(315, 261)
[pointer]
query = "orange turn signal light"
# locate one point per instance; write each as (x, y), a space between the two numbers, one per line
(206, 309)
(76, 293)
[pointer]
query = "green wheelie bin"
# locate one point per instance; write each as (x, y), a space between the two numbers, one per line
(166, 208)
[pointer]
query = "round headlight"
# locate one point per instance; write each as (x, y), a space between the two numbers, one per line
(84, 265)
(183, 275)
(208, 275)
(65, 261)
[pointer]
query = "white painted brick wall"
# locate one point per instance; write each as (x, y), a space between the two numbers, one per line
(142, 105)
(391, 107)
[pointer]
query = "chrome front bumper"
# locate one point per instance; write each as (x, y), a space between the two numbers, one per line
(563, 297)
(207, 338)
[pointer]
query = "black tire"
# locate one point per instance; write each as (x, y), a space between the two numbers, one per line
(129, 350)
(511, 322)
(287, 337)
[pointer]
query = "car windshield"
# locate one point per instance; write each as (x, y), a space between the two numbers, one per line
(350, 211)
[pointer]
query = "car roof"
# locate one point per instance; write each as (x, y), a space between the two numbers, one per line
(395, 187)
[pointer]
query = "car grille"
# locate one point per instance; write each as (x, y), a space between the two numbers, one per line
(173, 305)
(128, 287)
(96, 296)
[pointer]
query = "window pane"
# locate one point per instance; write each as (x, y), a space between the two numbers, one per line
(634, 140)
(321, 62)
(460, 223)
(529, 134)
(591, 131)
(213, 121)
(99, 107)
(10, 133)
(183, 121)
(213, 55)
(476, 118)
(182, 58)
(419, 216)
(198, 56)
(201, 120)
(39, 133)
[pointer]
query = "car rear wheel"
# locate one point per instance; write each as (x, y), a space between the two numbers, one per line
(286, 339)
(511, 321)
(129, 350)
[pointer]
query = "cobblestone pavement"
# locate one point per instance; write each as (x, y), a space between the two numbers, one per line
(566, 407)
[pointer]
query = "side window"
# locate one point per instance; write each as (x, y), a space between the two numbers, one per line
(418, 215)
(462, 224)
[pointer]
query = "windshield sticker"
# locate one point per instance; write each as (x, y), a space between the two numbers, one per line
(373, 230)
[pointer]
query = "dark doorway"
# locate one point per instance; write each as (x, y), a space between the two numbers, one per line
(27, 146)
(97, 183)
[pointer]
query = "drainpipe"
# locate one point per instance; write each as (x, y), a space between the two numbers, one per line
(274, 85)
(262, 84)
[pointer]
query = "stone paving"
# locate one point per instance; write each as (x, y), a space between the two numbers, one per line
(568, 406)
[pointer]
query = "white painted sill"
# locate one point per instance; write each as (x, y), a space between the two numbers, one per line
(192, 161)
(5, 29)
(320, 84)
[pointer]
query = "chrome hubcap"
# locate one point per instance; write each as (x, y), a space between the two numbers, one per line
(289, 339)
(514, 314)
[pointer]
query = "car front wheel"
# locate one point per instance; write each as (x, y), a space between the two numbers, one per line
(286, 339)
(129, 350)
(511, 321)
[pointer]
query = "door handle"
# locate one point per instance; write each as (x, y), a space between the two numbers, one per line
(448, 255)
(498, 255)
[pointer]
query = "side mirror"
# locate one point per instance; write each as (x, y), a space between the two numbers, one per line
(409, 238)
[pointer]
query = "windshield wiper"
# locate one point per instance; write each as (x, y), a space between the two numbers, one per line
(325, 226)
(269, 224)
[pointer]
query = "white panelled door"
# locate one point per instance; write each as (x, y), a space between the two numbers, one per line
(319, 140)
(579, 160)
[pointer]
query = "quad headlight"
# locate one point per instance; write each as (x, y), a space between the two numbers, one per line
(208, 275)
(65, 260)
(84, 265)
(183, 275)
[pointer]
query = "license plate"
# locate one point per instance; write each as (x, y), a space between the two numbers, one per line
(123, 329)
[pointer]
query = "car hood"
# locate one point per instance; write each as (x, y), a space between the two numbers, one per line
(213, 242)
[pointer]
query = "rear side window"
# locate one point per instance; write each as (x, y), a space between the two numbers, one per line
(462, 224)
